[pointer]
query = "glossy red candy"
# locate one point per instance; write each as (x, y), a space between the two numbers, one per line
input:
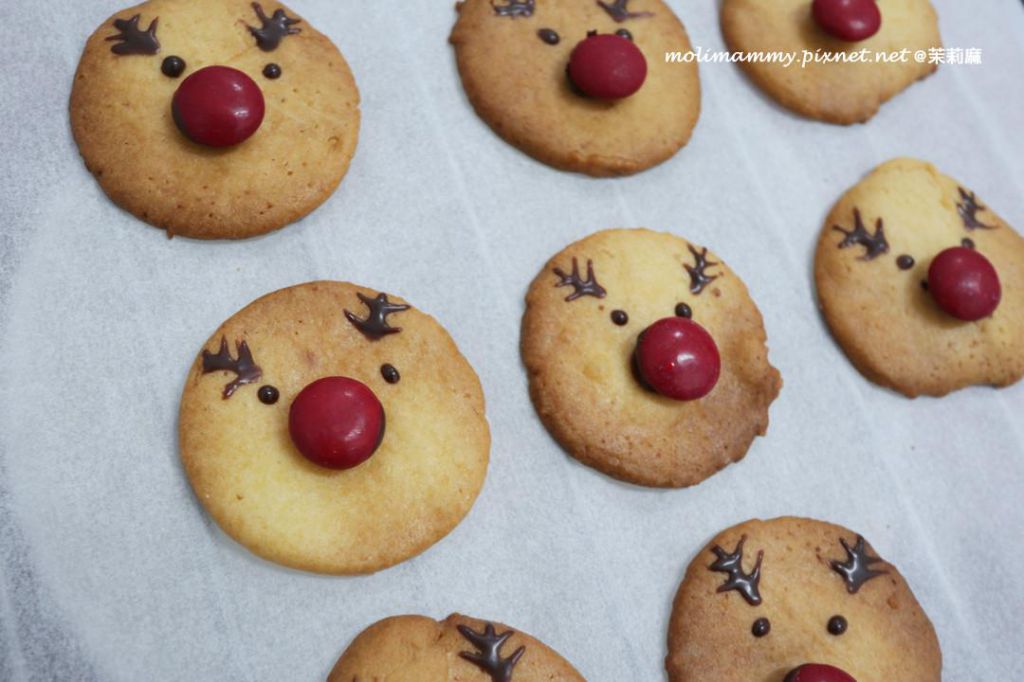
(218, 106)
(336, 422)
(607, 66)
(850, 20)
(964, 284)
(677, 358)
(818, 672)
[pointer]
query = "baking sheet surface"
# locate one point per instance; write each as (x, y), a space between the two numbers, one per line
(110, 570)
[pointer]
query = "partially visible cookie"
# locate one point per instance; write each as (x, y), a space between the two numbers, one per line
(514, 55)
(797, 599)
(615, 339)
(420, 649)
(252, 76)
(880, 245)
(841, 92)
(332, 428)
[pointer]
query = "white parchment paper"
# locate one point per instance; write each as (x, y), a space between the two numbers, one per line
(110, 570)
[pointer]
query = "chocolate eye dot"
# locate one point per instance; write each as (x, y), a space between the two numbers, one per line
(620, 317)
(549, 36)
(268, 395)
(905, 262)
(761, 627)
(967, 243)
(272, 71)
(390, 374)
(623, 33)
(172, 66)
(683, 310)
(837, 625)
(592, 32)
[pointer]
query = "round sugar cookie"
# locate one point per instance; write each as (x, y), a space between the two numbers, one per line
(136, 63)
(513, 57)
(872, 267)
(768, 601)
(841, 92)
(244, 459)
(421, 649)
(586, 313)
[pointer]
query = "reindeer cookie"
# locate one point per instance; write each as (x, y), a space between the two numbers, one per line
(921, 283)
(420, 649)
(214, 118)
(333, 428)
(797, 600)
(862, 51)
(579, 84)
(647, 358)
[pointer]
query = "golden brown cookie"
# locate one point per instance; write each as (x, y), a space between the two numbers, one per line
(766, 597)
(872, 268)
(513, 57)
(244, 454)
(458, 648)
(136, 62)
(586, 313)
(842, 92)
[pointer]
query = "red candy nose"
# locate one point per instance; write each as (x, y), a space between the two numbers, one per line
(850, 20)
(218, 106)
(964, 284)
(818, 672)
(607, 67)
(336, 422)
(678, 358)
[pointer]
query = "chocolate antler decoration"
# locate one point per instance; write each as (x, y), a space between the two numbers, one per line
(489, 659)
(874, 244)
(134, 40)
(514, 8)
(617, 10)
(247, 370)
(856, 570)
(698, 275)
(744, 583)
(376, 324)
(274, 29)
(968, 209)
(587, 287)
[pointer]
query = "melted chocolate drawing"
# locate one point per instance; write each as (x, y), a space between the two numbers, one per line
(856, 570)
(905, 262)
(514, 8)
(487, 657)
(968, 208)
(698, 272)
(245, 369)
(273, 29)
(133, 40)
(618, 10)
(390, 373)
(744, 583)
(874, 244)
(549, 36)
(836, 625)
(375, 325)
(582, 287)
